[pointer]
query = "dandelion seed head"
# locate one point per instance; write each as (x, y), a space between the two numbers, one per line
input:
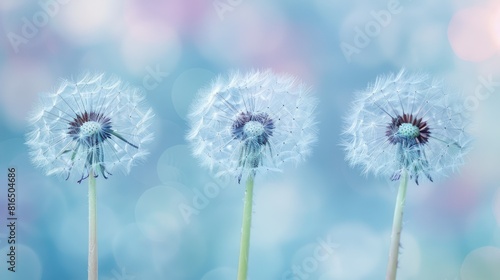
(253, 129)
(252, 122)
(409, 122)
(408, 130)
(90, 128)
(95, 123)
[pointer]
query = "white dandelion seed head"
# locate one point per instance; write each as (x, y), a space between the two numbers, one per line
(407, 122)
(90, 128)
(252, 122)
(94, 123)
(253, 129)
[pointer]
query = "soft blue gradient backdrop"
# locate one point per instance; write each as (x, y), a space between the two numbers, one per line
(451, 227)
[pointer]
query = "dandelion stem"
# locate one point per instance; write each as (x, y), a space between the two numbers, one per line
(92, 273)
(396, 227)
(245, 229)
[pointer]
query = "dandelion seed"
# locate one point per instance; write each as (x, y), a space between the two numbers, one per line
(244, 124)
(405, 126)
(87, 128)
(253, 122)
(93, 124)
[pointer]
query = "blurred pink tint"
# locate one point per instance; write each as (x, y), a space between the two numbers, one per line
(471, 34)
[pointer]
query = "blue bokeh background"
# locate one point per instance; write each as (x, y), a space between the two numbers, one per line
(171, 49)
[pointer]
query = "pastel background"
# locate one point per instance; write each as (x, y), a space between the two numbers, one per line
(172, 48)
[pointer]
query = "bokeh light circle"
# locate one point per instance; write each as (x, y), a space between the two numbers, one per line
(132, 250)
(496, 207)
(186, 86)
(360, 251)
(220, 273)
(73, 22)
(496, 26)
(157, 214)
(285, 217)
(244, 35)
(16, 95)
(148, 46)
(471, 34)
(176, 164)
(72, 234)
(481, 263)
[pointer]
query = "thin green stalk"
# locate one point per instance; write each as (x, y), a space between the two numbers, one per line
(245, 230)
(392, 266)
(92, 229)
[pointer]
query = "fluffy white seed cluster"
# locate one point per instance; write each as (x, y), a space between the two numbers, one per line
(431, 139)
(252, 122)
(94, 123)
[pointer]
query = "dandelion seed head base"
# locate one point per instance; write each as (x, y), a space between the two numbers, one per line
(408, 130)
(255, 127)
(254, 131)
(90, 128)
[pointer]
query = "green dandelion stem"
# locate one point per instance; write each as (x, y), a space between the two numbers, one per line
(92, 228)
(245, 229)
(397, 227)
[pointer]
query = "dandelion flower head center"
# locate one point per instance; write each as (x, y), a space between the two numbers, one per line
(90, 128)
(408, 130)
(253, 129)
